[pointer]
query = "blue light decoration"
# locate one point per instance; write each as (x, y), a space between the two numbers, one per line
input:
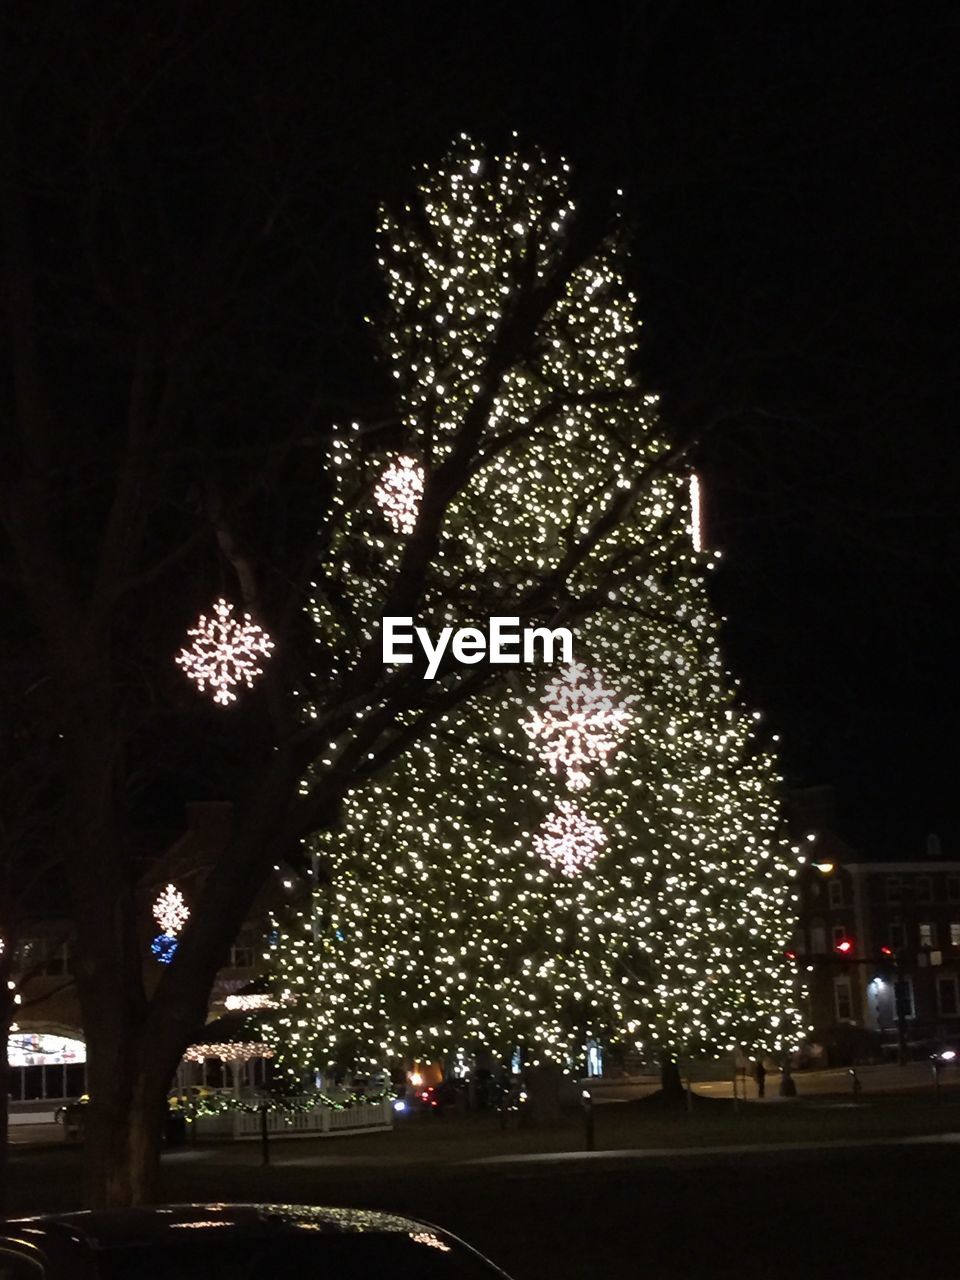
(164, 947)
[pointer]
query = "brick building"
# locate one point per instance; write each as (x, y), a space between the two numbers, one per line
(878, 944)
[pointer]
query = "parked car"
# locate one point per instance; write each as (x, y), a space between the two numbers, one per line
(234, 1242)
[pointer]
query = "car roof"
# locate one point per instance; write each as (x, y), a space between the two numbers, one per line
(118, 1228)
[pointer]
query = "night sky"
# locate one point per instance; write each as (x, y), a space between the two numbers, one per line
(790, 176)
(790, 173)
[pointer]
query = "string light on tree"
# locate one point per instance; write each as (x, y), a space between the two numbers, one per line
(569, 841)
(164, 948)
(399, 493)
(225, 652)
(582, 723)
(171, 911)
(437, 924)
(696, 512)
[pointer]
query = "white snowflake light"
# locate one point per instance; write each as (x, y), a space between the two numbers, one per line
(224, 652)
(569, 841)
(399, 492)
(171, 911)
(581, 724)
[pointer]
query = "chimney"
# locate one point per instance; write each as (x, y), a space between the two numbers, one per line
(209, 822)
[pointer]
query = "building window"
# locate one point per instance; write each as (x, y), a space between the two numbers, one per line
(835, 891)
(242, 956)
(955, 933)
(898, 935)
(953, 888)
(843, 999)
(818, 937)
(924, 889)
(948, 998)
(839, 934)
(904, 995)
(894, 889)
(928, 934)
(38, 957)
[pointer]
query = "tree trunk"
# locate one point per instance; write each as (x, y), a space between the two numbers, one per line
(122, 1164)
(543, 1094)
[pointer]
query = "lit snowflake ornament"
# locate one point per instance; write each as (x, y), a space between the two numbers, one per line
(580, 725)
(171, 911)
(224, 652)
(399, 493)
(569, 841)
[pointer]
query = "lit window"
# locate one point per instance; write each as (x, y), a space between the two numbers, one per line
(928, 934)
(955, 933)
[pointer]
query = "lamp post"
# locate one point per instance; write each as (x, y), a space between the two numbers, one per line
(899, 1003)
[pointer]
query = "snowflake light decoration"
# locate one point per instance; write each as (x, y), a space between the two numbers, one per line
(581, 724)
(399, 492)
(164, 947)
(569, 841)
(171, 911)
(224, 652)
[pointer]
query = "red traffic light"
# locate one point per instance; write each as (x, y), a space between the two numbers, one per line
(845, 946)
(886, 951)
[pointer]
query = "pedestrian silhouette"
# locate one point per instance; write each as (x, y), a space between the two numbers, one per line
(760, 1075)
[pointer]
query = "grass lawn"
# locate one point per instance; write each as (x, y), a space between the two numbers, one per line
(642, 1125)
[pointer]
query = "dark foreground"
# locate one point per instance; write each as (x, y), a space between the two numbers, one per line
(883, 1207)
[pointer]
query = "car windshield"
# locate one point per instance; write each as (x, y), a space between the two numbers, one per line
(418, 1255)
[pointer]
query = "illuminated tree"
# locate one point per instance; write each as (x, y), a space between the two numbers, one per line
(184, 446)
(468, 898)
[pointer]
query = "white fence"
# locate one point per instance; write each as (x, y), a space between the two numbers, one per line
(364, 1117)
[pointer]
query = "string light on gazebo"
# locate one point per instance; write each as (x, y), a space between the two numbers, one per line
(250, 1003)
(228, 1051)
(224, 652)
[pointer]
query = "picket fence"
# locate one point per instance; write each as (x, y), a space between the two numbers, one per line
(364, 1117)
